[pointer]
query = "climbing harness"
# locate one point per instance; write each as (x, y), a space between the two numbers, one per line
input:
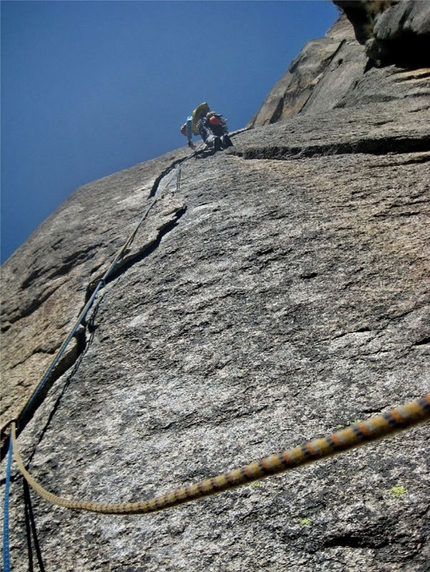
(353, 436)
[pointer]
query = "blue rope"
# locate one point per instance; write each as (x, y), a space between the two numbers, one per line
(30, 405)
(6, 554)
(62, 348)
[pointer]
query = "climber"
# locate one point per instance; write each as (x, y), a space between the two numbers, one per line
(211, 127)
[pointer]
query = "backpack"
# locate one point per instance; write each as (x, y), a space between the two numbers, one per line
(198, 113)
(216, 119)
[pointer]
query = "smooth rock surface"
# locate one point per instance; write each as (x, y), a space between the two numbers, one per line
(291, 93)
(407, 17)
(335, 71)
(44, 282)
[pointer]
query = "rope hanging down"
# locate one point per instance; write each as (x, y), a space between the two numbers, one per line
(43, 387)
(354, 436)
(6, 551)
(39, 393)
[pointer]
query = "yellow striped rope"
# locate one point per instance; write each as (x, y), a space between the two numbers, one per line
(354, 436)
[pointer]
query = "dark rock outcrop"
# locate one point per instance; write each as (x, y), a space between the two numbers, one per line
(281, 291)
(393, 31)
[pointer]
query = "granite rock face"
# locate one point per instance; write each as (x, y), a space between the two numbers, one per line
(337, 56)
(335, 71)
(278, 291)
(44, 282)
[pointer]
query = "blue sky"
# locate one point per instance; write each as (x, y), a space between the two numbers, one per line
(90, 88)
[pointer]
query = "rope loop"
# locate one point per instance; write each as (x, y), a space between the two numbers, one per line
(353, 436)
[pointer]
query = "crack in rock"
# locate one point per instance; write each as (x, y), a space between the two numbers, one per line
(378, 146)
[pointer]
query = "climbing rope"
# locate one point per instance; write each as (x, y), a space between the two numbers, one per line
(39, 393)
(43, 387)
(354, 436)
(6, 551)
(178, 181)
